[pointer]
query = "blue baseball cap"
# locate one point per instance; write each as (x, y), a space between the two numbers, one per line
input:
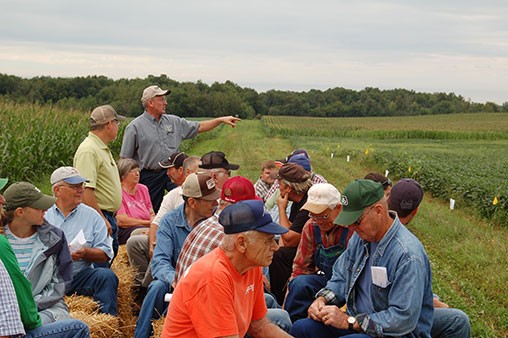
(302, 160)
(249, 215)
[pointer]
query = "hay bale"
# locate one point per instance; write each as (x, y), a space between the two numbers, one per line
(81, 303)
(158, 326)
(101, 325)
(125, 274)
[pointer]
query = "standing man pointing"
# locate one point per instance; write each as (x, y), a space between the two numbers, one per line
(154, 135)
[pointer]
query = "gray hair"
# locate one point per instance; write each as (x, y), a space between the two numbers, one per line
(191, 163)
(228, 241)
(125, 165)
(298, 187)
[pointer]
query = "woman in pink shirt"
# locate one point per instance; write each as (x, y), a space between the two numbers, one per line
(136, 211)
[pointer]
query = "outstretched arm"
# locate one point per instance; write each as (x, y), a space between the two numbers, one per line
(208, 125)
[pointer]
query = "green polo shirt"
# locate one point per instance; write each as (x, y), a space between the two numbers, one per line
(95, 162)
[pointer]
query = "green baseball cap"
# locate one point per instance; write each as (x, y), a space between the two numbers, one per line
(3, 182)
(24, 194)
(357, 196)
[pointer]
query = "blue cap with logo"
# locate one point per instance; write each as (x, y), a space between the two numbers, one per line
(249, 215)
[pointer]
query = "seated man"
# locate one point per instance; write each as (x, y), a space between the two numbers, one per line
(41, 249)
(321, 243)
(208, 235)
(294, 183)
(405, 199)
(383, 276)
(221, 294)
(72, 217)
(140, 247)
(200, 199)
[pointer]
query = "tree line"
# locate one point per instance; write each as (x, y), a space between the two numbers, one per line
(198, 99)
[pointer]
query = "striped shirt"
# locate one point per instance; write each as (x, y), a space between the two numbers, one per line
(23, 248)
(10, 319)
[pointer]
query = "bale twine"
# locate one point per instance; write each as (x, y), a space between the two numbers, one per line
(101, 325)
(125, 274)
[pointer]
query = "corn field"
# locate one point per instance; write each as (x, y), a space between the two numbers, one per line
(37, 139)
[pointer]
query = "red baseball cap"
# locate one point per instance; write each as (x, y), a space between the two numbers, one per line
(237, 189)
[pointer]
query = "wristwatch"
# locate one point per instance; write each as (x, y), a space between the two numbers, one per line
(351, 321)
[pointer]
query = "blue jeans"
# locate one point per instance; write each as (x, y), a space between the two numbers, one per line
(276, 314)
(101, 284)
(301, 292)
(153, 307)
(309, 328)
(450, 323)
(65, 328)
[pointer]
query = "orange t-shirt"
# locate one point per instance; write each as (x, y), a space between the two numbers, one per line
(214, 300)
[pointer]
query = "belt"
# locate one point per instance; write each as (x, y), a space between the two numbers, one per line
(109, 213)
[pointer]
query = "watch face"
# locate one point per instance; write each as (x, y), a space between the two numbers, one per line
(351, 320)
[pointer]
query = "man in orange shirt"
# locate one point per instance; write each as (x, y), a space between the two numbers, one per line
(221, 294)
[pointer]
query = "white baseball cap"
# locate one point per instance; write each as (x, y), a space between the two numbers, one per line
(67, 174)
(321, 196)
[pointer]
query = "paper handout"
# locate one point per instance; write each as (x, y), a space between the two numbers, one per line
(78, 242)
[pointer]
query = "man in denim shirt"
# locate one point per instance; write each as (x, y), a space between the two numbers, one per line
(383, 277)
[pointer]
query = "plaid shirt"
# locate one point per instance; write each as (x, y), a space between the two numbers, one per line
(303, 263)
(10, 319)
(205, 237)
(262, 188)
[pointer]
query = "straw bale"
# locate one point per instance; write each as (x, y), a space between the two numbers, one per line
(101, 325)
(157, 326)
(125, 274)
(81, 303)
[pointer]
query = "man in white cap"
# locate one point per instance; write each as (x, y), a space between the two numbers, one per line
(200, 200)
(86, 230)
(94, 160)
(154, 135)
(321, 244)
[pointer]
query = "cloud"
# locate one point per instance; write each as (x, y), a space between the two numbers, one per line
(459, 47)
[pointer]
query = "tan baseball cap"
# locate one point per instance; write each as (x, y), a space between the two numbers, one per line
(153, 91)
(200, 185)
(103, 114)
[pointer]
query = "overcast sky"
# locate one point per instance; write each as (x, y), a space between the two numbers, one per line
(428, 45)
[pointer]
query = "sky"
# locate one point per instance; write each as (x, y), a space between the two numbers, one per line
(426, 46)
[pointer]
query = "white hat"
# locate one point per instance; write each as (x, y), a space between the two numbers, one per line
(67, 174)
(321, 196)
(153, 91)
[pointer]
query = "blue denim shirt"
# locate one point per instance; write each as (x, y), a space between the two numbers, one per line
(404, 307)
(173, 229)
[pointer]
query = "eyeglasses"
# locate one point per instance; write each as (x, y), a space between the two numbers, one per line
(359, 220)
(320, 218)
(115, 121)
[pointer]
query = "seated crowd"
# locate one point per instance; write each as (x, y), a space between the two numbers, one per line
(219, 256)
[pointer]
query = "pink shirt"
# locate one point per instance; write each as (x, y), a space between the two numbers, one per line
(137, 205)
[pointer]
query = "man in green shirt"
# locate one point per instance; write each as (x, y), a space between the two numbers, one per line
(94, 161)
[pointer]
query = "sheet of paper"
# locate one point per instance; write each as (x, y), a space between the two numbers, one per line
(78, 242)
(379, 276)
